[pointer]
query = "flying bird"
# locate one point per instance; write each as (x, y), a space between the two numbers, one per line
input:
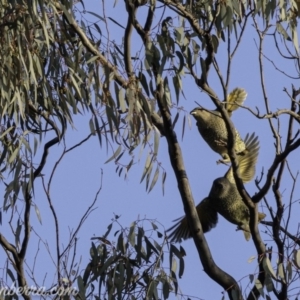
(224, 199)
(213, 128)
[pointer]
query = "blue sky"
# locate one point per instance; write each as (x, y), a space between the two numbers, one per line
(78, 176)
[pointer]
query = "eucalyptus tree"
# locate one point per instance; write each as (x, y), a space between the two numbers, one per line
(60, 60)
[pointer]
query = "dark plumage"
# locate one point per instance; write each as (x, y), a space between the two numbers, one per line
(208, 217)
(224, 199)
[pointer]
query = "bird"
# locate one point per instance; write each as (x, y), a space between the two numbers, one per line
(228, 202)
(223, 199)
(213, 129)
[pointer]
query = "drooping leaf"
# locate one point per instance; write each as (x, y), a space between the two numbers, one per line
(154, 180)
(296, 258)
(113, 20)
(131, 235)
(177, 87)
(268, 267)
(269, 283)
(109, 227)
(147, 166)
(259, 287)
(96, 15)
(38, 214)
(181, 61)
(121, 244)
(164, 176)
(282, 31)
(175, 120)
(289, 270)
(116, 153)
(166, 289)
(144, 83)
(280, 272)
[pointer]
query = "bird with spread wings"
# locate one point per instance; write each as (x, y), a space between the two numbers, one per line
(224, 199)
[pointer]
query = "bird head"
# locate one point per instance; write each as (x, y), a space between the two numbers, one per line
(200, 114)
(221, 188)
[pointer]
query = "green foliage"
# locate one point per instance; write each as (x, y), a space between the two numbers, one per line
(48, 74)
(55, 64)
(132, 267)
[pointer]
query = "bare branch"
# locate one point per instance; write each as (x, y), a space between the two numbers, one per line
(277, 160)
(291, 236)
(261, 36)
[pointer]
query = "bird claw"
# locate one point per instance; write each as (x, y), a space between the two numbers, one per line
(224, 162)
(238, 228)
(242, 227)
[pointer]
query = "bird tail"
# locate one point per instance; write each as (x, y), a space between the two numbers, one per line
(235, 99)
(261, 216)
(246, 231)
(247, 235)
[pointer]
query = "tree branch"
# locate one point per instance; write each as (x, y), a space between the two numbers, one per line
(277, 160)
(90, 46)
(175, 154)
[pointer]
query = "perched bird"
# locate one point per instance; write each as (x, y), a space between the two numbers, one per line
(213, 128)
(224, 199)
(227, 201)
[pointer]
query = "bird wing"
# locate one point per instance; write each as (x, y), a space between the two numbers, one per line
(235, 99)
(247, 161)
(208, 218)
